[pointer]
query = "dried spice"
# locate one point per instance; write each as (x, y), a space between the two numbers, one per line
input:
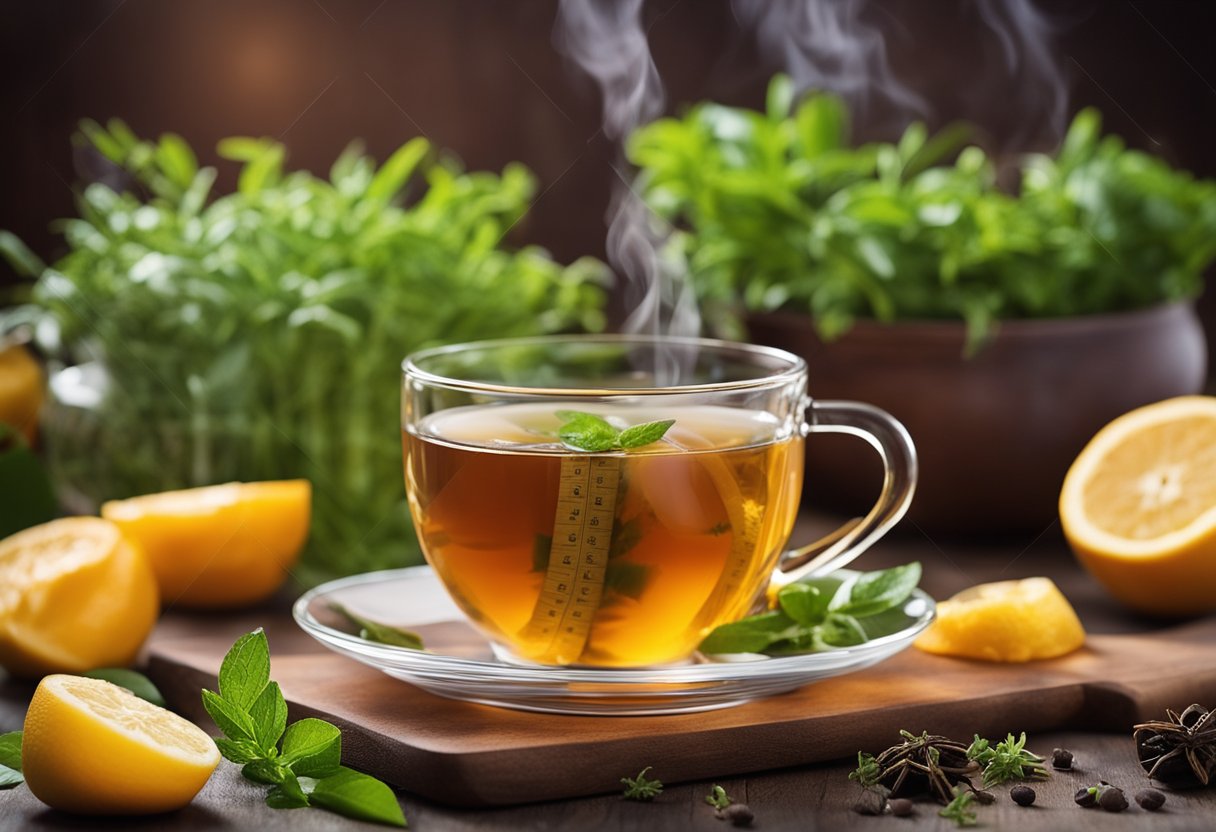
(925, 763)
(1112, 799)
(1022, 795)
(739, 814)
(1086, 798)
(901, 807)
(1061, 759)
(1181, 751)
(1150, 800)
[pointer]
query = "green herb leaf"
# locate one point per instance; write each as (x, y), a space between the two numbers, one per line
(718, 798)
(269, 717)
(868, 771)
(959, 809)
(803, 602)
(822, 614)
(1007, 760)
(287, 794)
(245, 671)
(137, 683)
(874, 592)
(644, 434)
(640, 788)
(270, 772)
(382, 633)
(587, 432)
(312, 747)
(750, 635)
(358, 796)
(235, 723)
(10, 760)
(840, 630)
(238, 751)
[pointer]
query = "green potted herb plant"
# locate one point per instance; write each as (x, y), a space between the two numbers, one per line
(259, 334)
(1003, 326)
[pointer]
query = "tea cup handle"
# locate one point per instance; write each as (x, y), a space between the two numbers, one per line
(894, 445)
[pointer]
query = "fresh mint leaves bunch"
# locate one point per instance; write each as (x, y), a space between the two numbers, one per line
(257, 334)
(779, 210)
(581, 431)
(821, 614)
(304, 769)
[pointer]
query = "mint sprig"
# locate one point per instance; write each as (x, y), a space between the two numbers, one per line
(588, 432)
(306, 768)
(10, 760)
(820, 614)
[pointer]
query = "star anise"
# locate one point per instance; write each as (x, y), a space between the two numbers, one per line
(928, 763)
(1181, 752)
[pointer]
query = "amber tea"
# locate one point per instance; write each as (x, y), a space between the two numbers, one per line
(612, 559)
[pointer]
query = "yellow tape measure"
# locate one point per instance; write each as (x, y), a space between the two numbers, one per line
(578, 559)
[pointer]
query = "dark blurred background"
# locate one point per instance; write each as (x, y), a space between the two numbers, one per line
(483, 80)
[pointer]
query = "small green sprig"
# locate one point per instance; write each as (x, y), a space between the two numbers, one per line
(306, 769)
(822, 613)
(959, 809)
(868, 771)
(1007, 760)
(10, 760)
(718, 798)
(591, 433)
(640, 788)
(382, 633)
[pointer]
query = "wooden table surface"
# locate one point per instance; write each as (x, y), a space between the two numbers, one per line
(804, 798)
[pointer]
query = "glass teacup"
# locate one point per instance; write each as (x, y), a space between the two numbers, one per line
(569, 538)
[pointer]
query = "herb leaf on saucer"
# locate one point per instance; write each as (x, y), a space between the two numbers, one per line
(819, 614)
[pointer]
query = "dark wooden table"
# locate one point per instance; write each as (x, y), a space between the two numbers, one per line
(805, 798)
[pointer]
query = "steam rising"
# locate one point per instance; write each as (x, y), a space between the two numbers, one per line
(831, 45)
(606, 39)
(834, 45)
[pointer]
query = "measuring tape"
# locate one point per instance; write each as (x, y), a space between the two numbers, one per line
(573, 587)
(578, 559)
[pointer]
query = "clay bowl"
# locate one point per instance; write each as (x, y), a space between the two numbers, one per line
(996, 432)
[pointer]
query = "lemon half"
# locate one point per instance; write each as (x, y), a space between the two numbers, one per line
(1139, 507)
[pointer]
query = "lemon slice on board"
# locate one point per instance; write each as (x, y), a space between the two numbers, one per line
(92, 747)
(1006, 621)
(74, 595)
(1139, 507)
(222, 545)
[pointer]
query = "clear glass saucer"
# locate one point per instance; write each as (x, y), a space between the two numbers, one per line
(460, 664)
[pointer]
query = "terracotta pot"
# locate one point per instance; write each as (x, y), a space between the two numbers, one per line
(995, 433)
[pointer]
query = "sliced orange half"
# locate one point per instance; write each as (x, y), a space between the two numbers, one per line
(220, 546)
(91, 747)
(1139, 507)
(74, 595)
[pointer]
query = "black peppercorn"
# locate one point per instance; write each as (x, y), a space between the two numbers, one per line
(1085, 798)
(1150, 799)
(1022, 795)
(1112, 799)
(739, 814)
(901, 807)
(1061, 758)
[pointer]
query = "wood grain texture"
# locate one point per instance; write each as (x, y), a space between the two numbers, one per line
(474, 755)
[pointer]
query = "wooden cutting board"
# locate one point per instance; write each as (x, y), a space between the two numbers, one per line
(474, 755)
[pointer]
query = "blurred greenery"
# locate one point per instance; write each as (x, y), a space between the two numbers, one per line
(259, 334)
(775, 210)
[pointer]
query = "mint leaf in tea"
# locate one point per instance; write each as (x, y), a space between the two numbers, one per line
(565, 550)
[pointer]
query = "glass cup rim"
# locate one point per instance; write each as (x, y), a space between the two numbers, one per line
(794, 370)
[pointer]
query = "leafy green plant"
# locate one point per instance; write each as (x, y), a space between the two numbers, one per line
(10, 760)
(642, 788)
(775, 210)
(259, 334)
(305, 768)
(821, 614)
